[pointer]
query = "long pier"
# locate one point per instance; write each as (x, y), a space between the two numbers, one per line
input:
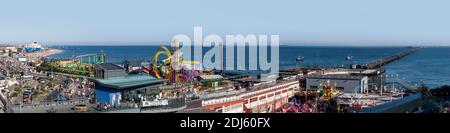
(381, 62)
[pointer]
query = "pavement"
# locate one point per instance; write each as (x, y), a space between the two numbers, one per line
(65, 108)
(194, 106)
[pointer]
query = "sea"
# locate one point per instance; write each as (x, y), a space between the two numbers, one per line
(429, 66)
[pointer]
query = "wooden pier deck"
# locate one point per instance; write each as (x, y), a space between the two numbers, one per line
(384, 61)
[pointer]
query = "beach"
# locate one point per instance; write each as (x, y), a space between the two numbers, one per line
(44, 53)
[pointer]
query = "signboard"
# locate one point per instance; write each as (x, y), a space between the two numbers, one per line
(23, 59)
(155, 103)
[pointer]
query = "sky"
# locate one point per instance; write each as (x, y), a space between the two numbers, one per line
(356, 22)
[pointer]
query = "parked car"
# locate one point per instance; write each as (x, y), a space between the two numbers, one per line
(80, 108)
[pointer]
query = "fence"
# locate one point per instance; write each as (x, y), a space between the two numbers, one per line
(52, 104)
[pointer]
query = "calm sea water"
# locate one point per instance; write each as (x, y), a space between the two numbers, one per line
(430, 65)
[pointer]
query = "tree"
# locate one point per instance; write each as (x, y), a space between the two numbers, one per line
(18, 89)
(14, 94)
(424, 90)
(14, 72)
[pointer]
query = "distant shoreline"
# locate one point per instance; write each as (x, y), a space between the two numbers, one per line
(45, 53)
(53, 51)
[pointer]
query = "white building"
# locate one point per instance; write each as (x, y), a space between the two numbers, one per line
(343, 83)
(263, 100)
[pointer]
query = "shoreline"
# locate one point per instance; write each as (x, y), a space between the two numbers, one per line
(44, 53)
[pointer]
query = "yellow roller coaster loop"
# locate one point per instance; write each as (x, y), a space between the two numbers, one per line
(165, 51)
(169, 68)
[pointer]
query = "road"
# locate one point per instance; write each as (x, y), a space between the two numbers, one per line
(2, 108)
(5, 104)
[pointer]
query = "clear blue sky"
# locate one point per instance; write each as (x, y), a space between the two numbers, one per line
(303, 21)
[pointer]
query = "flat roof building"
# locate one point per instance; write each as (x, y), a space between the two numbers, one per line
(113, 84)
(108, 70)
(343, 83)
(127, 88)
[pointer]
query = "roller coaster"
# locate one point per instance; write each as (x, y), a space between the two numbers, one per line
(172, 67)
(91, 58)
(81, 65)
(181, 74)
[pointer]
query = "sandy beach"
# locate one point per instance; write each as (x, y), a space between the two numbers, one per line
(44, 53)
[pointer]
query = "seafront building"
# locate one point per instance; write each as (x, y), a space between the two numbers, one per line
(118, 90)
(33, 47)
(343, 83)
(262, 98)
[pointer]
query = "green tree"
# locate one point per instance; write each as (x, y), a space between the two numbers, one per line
(14, 72)
(14, 94)
(18, 89)
(424, 90)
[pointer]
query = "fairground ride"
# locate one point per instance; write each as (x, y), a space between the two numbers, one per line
(81, 65)
(167, 64)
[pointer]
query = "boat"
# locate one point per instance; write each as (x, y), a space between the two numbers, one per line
(349, 57)
(300, 58)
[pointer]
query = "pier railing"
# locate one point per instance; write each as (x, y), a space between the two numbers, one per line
(173, 105)
(50, 104)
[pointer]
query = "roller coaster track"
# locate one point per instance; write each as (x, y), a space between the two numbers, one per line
(162, 50)
(96, 58)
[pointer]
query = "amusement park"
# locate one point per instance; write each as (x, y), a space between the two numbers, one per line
(213, 66)
(81, 65)
(163, 84)
(169, 83)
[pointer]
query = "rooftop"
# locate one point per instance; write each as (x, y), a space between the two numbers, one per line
(211, 77)
(135, 63)
(128, 81)
(370, 71)
(196, 110)
(109, 66)
(337, 76)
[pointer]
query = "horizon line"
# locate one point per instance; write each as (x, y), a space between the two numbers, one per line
(287, 43)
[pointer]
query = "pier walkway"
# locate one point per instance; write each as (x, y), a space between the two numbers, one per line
(381, 62)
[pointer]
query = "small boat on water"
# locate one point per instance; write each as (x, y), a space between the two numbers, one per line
(349, 57)
(300, 58)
